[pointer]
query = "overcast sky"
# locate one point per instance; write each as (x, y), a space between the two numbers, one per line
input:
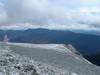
(52, 14)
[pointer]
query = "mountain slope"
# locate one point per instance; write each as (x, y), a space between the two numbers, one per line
(85, 43)
(56, 55)
(14, 64)
(94, 58)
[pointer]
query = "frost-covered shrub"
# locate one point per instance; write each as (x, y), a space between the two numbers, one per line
(14, 64)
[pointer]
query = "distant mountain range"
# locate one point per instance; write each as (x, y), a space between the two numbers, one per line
(85, 43)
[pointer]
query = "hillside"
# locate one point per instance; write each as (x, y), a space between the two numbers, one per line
(94, 58)
(62, 60)
(84, 43)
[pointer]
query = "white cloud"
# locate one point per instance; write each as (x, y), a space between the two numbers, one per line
(51, 27)
(81, 3)
(23, 14)
(3, 15)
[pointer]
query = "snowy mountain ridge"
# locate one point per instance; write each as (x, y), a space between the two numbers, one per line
(14, 64)
(57, 47)
(47, 59)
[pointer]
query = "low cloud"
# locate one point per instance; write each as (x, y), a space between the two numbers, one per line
(23, 14)
(3, 15)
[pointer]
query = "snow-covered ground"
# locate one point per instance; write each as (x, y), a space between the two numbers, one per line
(14, 64)
(57, 47)
(43, 59)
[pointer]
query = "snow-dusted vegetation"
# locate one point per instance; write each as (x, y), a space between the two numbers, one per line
(14, 64)
(43, 59)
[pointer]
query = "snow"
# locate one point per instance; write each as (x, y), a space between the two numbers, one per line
(43, 59)
(56, 47)
(74, 73)
(1, 73)
(87, 61)
(14, 64)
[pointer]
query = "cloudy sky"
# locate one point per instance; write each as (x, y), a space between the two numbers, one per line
(52, 14)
